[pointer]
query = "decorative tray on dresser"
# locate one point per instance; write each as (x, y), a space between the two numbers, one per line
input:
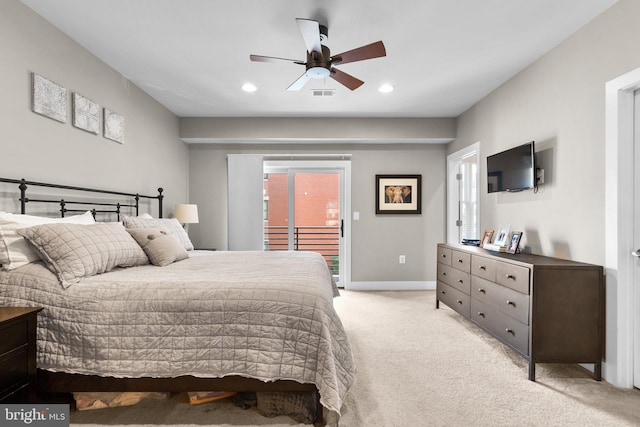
(548, 310)
(18, 354)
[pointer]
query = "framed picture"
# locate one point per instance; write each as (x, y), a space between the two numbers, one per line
(113, 126)
(49, 98)
(398, 194)
(503, 235)
(486, 238)
(86, 114)
(514, 242)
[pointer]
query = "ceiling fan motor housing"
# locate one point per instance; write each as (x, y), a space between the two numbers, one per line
(319, 65)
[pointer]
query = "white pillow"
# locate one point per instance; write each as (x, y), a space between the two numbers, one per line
(15, 251)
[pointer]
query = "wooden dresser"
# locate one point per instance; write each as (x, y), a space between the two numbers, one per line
(18, 354)
(547, 309)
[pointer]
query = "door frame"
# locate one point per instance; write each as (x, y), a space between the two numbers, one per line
(327, 166)
(452, 195)
(619, 219)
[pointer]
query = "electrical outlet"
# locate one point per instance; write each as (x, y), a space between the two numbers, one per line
(402, 259)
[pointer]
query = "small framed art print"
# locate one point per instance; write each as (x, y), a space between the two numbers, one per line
(398, 194)
(86, 114)
(48, 98)
(113, 126)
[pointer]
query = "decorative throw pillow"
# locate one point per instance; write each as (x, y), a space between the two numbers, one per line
(74, 251)
(170, 224)
(160, 246)
(14, 250)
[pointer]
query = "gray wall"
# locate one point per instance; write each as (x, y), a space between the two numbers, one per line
(559, 101)
(41, 149)
(377, 240)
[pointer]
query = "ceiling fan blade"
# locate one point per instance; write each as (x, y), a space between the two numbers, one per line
(310, 31)
(299, 84)
(373, 50)
(346, 79)
(260, 58)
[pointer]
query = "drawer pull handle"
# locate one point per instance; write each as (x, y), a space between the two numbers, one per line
(444, 274)
(443, 292)
(481, 314)
(459, 302)
(509, 302)
(460, 281)
(482, 291)
(444, 256)
(510, 331)
(460, 261)
(482, 267)
(511, 276)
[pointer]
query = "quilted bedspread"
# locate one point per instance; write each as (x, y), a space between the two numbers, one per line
(263, 315)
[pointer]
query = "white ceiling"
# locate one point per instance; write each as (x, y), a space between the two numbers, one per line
(442, 55)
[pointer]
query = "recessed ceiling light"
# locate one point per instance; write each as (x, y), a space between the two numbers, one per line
(249, 87)
(386, 88)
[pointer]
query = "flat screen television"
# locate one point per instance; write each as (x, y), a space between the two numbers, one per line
(512, 170)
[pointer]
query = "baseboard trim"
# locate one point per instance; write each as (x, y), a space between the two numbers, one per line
(392, 286)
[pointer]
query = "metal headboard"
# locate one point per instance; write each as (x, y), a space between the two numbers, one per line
(66, 205)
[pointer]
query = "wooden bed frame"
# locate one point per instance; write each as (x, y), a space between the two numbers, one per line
(60, 382)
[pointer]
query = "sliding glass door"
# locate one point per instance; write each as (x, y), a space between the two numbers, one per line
(303, 211)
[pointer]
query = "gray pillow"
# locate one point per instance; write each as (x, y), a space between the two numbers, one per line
(160, 246)
(171, 225)
(74, 251)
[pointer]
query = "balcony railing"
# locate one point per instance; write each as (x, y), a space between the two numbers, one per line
(322, 239)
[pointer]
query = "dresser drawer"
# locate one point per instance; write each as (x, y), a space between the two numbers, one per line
(513, 276)
(453, 298)
(461, 261)
(508, 301)
(483, 267)
(444, 255)
(13, 336)
(14, 369)
(456, 278)
(506, 328)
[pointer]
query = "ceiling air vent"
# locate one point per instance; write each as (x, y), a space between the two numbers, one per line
(323, 92)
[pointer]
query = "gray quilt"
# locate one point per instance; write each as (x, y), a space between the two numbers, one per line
(264, 315)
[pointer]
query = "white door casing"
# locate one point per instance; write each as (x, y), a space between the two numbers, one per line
(620, 265)
(470, 154)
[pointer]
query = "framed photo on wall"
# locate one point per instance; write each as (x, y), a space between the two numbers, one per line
(398, 194)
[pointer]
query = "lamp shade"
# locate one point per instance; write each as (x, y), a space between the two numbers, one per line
(186, 214)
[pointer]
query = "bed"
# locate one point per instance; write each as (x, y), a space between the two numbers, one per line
(232, 321)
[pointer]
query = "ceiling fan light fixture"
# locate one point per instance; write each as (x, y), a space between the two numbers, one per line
(318, 73)
(386, 88)
(249, 87)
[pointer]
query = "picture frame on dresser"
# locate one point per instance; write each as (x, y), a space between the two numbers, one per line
(503, 235)
(514, 242)
(487, 236)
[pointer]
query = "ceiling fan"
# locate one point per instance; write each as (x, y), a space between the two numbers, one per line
(320, 63)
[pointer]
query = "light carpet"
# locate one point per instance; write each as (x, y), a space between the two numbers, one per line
(418, 366)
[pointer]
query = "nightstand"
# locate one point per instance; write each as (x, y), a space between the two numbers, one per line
(18, 354)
